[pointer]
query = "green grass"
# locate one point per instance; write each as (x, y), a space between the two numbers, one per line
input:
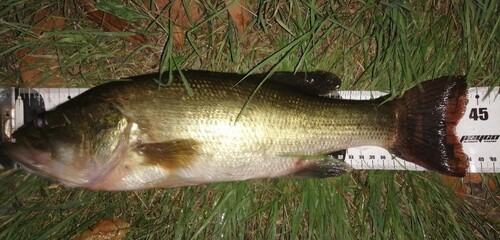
(372, 45)
(375, 205)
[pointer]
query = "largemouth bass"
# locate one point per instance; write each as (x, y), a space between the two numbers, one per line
(133, 134)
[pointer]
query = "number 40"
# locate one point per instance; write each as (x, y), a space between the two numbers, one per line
(479, 113)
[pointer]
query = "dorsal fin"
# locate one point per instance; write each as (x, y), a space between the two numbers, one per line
(315, 83)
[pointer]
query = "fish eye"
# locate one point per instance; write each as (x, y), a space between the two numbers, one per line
(41, 121)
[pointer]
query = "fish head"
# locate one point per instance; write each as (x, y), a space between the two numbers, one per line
(76, 146)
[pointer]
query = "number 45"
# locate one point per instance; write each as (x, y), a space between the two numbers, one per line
(479, 113)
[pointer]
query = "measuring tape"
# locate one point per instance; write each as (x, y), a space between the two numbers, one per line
(478, 130)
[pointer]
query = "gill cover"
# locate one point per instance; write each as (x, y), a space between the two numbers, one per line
(75, 143)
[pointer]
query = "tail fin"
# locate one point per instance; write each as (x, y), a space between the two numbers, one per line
(426, 125)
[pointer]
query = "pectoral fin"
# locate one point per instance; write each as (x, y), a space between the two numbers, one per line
(170, 154)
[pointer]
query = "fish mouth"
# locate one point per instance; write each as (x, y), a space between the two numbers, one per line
(5, 160)
(39, 162)
(25, 155)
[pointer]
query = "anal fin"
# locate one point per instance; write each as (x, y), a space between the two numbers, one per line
(323, 167)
